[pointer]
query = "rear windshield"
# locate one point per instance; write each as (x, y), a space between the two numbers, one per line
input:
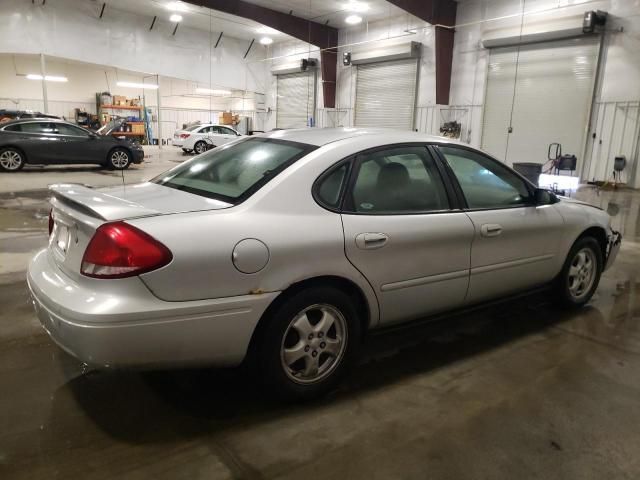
(192, 127)
(234, 172)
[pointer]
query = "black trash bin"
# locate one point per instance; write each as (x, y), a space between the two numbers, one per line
(531, 171)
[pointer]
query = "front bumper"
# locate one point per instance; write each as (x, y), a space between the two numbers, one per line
(613, 247)
(138, 156)
(124, 325)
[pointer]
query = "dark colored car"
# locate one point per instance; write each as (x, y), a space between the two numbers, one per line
(47, 141)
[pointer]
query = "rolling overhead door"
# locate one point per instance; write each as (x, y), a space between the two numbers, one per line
(386, 94)
(296, 101)
(551, 99)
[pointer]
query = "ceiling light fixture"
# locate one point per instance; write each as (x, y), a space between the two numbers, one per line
(353, 19)
(266, 40)
(177, 7)
(48, 78)
(264, 30)
(149, 86)
(214, 91)
(175, 18)
(355, 6)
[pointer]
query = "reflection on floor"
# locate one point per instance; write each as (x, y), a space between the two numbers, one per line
(516, 391)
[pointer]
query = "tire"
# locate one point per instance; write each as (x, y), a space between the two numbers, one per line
(200, 147)
(11, 159)
(308, 343)
(119, 159)
(580, 274)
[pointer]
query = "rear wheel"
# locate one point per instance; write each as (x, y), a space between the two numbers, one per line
(119, 159)
(200, 147)
(308, 343)
(580, 275)
(11, 159)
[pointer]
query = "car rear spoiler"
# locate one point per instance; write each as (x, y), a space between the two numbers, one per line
(97, 204)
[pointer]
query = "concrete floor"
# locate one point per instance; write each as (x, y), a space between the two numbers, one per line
(516, 391)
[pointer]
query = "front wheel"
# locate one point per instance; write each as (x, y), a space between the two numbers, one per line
(119, 159)
(308, 344)
(581, 273)
(11, 159)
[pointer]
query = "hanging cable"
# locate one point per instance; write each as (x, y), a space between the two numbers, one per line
(515, 83)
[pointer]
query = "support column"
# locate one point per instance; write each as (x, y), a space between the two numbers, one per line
(43, 74)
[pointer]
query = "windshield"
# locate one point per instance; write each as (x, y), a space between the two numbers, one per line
(234, 172)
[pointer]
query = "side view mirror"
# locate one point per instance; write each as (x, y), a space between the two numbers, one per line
(544, 197)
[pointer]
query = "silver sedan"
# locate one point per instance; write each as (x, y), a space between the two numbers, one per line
(285, 249)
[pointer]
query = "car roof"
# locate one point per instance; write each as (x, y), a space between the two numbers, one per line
(323, 136)
(34, 119)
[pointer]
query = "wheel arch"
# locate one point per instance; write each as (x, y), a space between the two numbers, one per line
(600, 234)
(15, 147)
(341, 283)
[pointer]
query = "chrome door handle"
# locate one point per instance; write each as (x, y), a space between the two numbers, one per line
(490, 230)
(371, 240)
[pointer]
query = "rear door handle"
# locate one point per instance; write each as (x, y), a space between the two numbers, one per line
(490, 230)
(371, 240)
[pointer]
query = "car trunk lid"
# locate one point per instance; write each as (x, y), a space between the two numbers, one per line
(79, 210)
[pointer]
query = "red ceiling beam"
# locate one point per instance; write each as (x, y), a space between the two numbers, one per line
(323, 36)
(441, 13)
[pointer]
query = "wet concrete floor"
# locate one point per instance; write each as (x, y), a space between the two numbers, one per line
(520, 390)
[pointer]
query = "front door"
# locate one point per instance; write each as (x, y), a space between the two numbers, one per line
(76, 145)
(515, 242)
(401, 234)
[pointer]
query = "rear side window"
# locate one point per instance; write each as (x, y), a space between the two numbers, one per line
(398, 180)
(28, 128)
(234, 172)
(329, 188)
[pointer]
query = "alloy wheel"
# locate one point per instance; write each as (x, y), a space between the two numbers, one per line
(119, 159)
(10, 160)
(200, 147)
(314, 344)
(582, 273)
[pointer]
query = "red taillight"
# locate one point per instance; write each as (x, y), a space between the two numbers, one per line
(185, 135)
(50, 221)
(119, 250)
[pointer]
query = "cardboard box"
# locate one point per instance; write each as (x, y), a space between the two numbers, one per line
(226, 118)
(119, 100)
(137, 128)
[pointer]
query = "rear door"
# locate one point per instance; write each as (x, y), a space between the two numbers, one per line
(515, 243)
(37, 140)
(402, 233)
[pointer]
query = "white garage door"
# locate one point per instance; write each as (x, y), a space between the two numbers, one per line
(553, 93)
(296, 99)
(386, 94)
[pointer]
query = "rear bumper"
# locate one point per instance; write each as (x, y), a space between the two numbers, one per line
(124, 325)
(613, 247)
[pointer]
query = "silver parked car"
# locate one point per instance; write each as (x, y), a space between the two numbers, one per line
(287, 248)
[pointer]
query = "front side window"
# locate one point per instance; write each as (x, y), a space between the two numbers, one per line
(398, 180)
(64, 129)
(233, 172)
(226, 131)
(484, 182)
